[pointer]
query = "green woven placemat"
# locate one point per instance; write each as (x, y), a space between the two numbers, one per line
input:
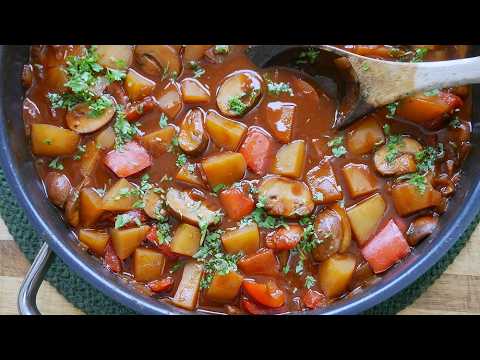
(91, 301)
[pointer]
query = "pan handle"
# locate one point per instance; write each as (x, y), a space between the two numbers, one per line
(27, 296)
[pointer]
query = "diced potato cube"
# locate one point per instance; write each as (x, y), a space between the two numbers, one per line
(186, 295)
(191, 177)
(335, 273)
(360, 180)
(148, 264)
(50, 140)
(186, 240)
(169, 99)
(106, 138)
(120, 197)
(126, 241)
(362, 137)
(365, 217)
(279, 117)
(290, 159)
(245, 239)
(95, 240)
(193, 92)
(91, 207)
(323, 183)
(89, 159)
(408, 199)
(224, 288)
(224, 168)
(159, 141)
(138, 86)
(225, 133)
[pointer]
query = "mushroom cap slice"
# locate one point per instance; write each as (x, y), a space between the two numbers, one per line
(158, 60)
(403, 163)
(188, 210)
(241, 87)
(80, 119)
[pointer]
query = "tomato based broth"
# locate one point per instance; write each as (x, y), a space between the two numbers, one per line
(216, 185)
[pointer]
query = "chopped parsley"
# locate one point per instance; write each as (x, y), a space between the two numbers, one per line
(236, 105)
(419, 54)
(286, 269)
(198, 71)
(56, 164)
(80, 151)
(181, 160)
(177, 266)
(433, 92)
(318, 196)
(164, 231)
(393, 143)
(392, 109)
(308, 242)
(310, 281)
(279, 88)
(123, 219)
(426, 158)
(338, 150)
(221, 49)
(82, 75)
(219, 187)
(113, 75)
(47, 141)
(308, 57)
(214, 259)
(455, 122)
(124, 130)
(163, 122)
(419, 181)
(364, 66)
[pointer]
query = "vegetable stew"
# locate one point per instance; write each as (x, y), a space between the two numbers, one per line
(216, 186)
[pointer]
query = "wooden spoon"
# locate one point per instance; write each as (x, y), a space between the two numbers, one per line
(364, 84)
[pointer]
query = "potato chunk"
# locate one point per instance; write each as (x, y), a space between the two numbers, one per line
(148, 264)
(120, 197)
(138, 86)
(224, 168)
(189, 174)
(365, 217)
(290, 159)
(96, 241)
(193, 138)
(91, 207)
(126, 241)
(286, 197)
(335, 273)
(169, 99)
(225, 133)
(224, 288)
(360, 180)
(193, 92)
(186, 240)
(89, 159)
(186, 295)
(323, 183)
(106, 138)
(245, 239)
(50, 140)
(362, 137)
(279, 117)
(159, 141)
(408, 199)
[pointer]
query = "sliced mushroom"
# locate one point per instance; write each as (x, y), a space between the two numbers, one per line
(115, 56)
(158, 60)
(193, 138)
(80, 119)
(286, 197)
(420, 228)
(187, 209)
(239, 92)
(404, 162)
(329, 230)
(58, 188)
(153, 205)
(194, 52)
(72, 208)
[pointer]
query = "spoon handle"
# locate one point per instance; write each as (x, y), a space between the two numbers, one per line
(442, 74)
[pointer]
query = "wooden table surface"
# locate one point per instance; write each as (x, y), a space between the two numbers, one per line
(457, 291)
